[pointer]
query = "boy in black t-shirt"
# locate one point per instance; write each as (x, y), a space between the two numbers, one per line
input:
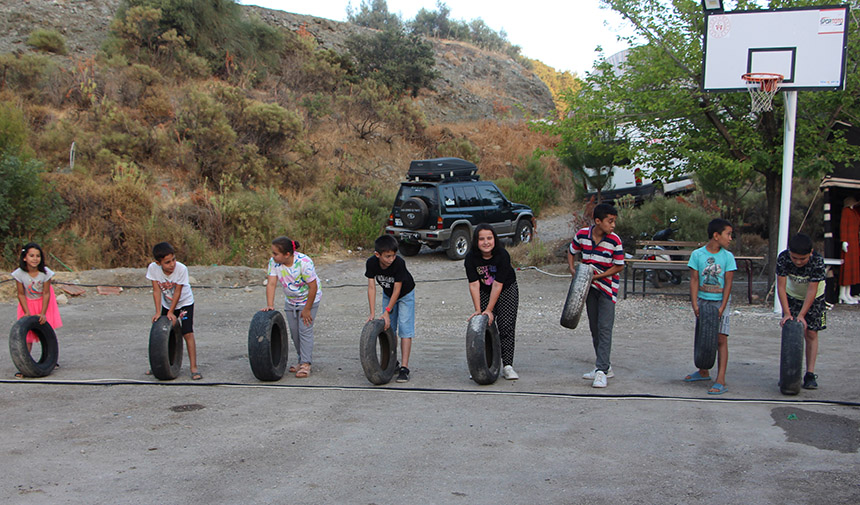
(398, 295)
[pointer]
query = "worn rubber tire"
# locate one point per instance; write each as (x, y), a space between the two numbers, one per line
(22, 358)
(707, 333)
(791, 358)
(378, 352)
(459, 245)
(483, 350)
(165, 349)
(267, 345)
(576, 296)
(414, 213)
(524, 232)
(409, 248)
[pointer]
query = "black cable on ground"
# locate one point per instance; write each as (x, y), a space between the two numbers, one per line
(536, 394)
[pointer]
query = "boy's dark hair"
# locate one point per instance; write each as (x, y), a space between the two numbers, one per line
(286, 245)
(604, 209)
(717, 226)
(385, 243)
(497, 245)
(23, 264)
(800, 244)
(162, 249)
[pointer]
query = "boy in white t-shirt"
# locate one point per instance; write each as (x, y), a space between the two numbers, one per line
(171, 292)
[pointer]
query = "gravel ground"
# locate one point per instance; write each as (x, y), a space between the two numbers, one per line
(649, 437)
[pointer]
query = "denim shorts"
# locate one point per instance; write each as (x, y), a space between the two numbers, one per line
(724, 321)
(402, 315)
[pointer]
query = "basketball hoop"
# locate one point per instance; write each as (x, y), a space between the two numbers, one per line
(762, 87)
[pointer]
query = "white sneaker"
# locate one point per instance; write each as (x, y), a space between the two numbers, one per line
(599, 380)
(509, 373)
(590, 375)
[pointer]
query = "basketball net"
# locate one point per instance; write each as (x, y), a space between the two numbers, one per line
(762, 88)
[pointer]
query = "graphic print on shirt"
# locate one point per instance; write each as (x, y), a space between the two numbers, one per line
(167, 289)
(35, 289)
(711, 275)
(386, 281)
(487, 273)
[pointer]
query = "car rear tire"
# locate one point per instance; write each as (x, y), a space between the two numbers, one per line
(414, 213)
(459, 245)
(524, 232)
(409, 248)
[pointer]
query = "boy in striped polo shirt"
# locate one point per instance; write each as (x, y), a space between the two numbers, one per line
(600, 248)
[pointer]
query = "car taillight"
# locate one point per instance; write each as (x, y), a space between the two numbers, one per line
(391, 220)
(439, 223)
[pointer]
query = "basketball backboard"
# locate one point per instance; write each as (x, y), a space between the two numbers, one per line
(806, 45)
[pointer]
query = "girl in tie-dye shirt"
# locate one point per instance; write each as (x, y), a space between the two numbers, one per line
(296, 275)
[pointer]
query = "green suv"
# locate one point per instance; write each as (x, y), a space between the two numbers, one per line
(442, 202)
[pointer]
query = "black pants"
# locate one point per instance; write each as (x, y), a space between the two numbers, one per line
(505, 314)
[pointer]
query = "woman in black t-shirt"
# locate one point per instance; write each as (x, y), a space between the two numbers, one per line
(493, 286)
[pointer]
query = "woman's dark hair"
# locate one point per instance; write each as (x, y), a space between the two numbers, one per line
(23, 264)
(286, 245)
(497, 245)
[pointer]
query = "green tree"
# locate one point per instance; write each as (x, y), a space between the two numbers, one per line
(403, 63)
(373, 14)
(656, 90)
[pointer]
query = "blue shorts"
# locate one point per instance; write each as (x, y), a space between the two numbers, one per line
(402, 315)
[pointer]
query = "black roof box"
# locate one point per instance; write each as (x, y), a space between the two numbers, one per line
(442, 169)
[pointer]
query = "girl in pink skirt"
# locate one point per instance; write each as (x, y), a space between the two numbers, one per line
(35, 294)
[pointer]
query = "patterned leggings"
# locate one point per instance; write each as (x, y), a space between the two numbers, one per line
(505, 313)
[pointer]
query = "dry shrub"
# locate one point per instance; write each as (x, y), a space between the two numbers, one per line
(535, 253)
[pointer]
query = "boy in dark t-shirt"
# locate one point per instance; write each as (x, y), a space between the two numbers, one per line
(800, 276)
(398, 295)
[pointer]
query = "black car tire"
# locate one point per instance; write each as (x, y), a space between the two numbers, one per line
(524, 232)
(409, 248)
(459, 245)
(483, 350)
(165, 349)
(22, 358)
(791, 358)
(414, 213)
(379, 367)
(267, 345)
(707, 333)
(576, 295)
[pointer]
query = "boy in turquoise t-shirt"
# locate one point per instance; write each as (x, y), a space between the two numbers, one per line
(712, 269)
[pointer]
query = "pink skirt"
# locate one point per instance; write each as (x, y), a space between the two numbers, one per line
(52, 315)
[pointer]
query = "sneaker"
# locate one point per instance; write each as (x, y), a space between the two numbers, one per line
(590, 375)
(599, 380)
(809, 381)
(509, 373)
(403, 376)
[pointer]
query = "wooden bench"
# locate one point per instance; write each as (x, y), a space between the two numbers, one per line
(678, 249)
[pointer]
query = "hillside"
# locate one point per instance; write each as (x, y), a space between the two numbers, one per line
(218, 162)
(471, 80)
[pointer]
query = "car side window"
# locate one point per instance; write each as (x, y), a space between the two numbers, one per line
(448, 197)
(492, 197)
(471, 197)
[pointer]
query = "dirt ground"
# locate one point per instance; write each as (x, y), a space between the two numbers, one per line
(98, 430)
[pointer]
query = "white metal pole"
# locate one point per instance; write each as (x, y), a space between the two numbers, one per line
(789, 123)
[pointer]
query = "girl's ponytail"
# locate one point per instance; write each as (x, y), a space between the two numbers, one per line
(286, 245)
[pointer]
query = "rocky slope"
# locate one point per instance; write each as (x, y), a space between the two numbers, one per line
(474, 84)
